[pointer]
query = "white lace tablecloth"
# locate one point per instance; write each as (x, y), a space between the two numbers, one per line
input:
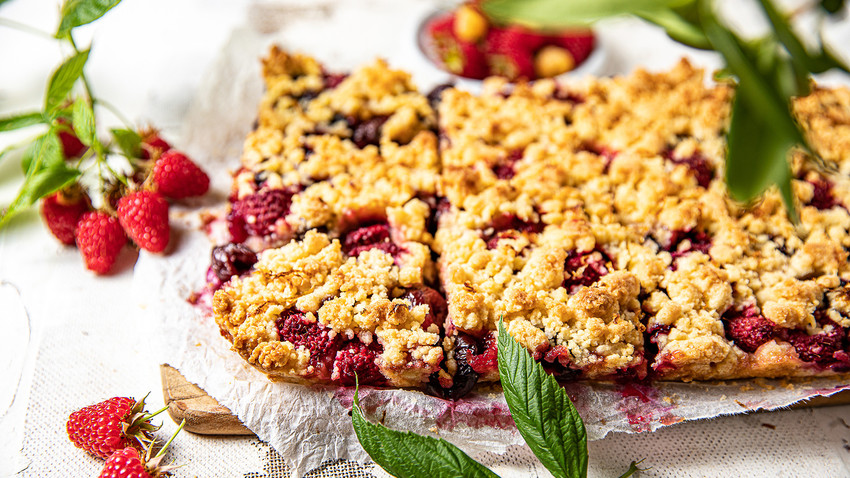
(88, 338)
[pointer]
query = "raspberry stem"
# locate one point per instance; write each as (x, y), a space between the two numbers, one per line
(165, 447)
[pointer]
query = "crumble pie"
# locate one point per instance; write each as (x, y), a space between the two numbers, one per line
(381, 232)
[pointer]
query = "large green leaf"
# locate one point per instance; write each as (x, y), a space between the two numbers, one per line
(677, 27)
(128, 141)
(406, 454)
(63, 80)
(19, 121)
(44, 152)
(81, 12)
(565, 13)
(542, 411)
(37, 185)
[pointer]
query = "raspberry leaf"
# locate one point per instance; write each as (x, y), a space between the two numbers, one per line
(81, 12)
(63, 80)
(542, 411)
(406, 454)
(128, 141)
(44, 151)
(10, 123)
(83, 121)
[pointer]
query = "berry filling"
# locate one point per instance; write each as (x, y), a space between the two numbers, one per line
(356, 359)
(584, 268)
(822, 196)
(438, 206)
(368, 132)
(697, 163)
(563, 94)
(683, 242)
(506, 226)
(332, 80)
(375, 236)
(748, 328)
(259, 214)
(557, 362)
(486, 361)
(603, 151)
(504, 169)
(828, 349)
(292, 327)
(437, 308)
(232, 259)
(436, 94)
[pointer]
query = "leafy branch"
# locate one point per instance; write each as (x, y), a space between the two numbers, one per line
(770, 71)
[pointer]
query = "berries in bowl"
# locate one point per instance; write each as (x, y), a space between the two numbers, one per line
(466, 43)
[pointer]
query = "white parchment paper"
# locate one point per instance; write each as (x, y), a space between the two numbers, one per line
(311, 425)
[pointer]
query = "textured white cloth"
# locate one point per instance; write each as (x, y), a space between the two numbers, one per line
(91, 338)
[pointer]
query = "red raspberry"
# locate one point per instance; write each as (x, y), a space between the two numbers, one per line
(511, 51)
(459, 57)
(125, 463)
(61, 215)
(100, 238)
(357, 358)
(177, 177)
(579, 44)
(153, 145)
(144, 216)
(72, 147)
(110, 425)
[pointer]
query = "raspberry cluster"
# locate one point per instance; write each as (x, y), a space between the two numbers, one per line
(468, 44)
(135, 206)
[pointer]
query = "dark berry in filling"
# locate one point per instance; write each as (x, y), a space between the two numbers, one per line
(487, 360)
(438, 206)
(697, 241)
(368, 132)
(585, 268)
(697, 163)
(292, 327)
(557, 363)
(232, 259)
(505, 168)
(822, 197)
(748, 328)
(437, 308)
(358, 359)
(376, 236)
(436, 94)
(503, 224)
(332, 80)
(258, 214)
(828, 348)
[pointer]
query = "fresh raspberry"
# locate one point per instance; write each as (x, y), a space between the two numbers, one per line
(61, 215)
(232, 259)
(583, 269)
(144, 217)
(437, 308)
(292, 327)
(510, 51)
(72, 147)
(259, 214)
(376, 236)
(462, 58)
(579, 44)
(178, 177)
(126, 463)
(357, 358)
(153, 145)
(748, 328)
(100, 238)
(108, 426)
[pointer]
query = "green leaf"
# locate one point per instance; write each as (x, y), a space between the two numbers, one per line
(38, 185)
(10, 123)
(406, 454)
(785, 34)
(81, 12)
(677, 27)
(565, 13)
(63, 80)
(544, 414)
(83, 121)
(757, 156)
(128, 141)
(633, 468)
(44, 152)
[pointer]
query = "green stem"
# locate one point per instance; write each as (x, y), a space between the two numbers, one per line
(165, 447)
